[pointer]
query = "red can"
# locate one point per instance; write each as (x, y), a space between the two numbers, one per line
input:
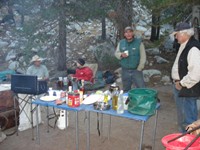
(73, 99)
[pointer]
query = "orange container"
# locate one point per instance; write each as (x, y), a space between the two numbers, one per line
(73, 99)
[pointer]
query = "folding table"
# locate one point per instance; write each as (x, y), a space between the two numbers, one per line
(38, 102)
(126, 114)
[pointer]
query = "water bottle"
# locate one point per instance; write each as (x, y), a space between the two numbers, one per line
(69, 85)
(120, 103)
(115, 97)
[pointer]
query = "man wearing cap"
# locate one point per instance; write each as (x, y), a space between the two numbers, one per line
(186, 75)
(131, 53)
(38, 69)
(82, 72)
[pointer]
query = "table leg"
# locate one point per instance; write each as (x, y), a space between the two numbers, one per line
(88, 130)
(32, 111)
(47, 111)
(109, 127)
(15, 108)
(66, 119)
(101, 126)
(155, 127)
(77, 130)
(37, 126)
(141, 135)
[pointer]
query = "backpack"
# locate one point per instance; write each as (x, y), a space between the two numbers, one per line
(98, 83)
(109, 77)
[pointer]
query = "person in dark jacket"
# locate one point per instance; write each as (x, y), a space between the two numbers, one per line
(186, 75)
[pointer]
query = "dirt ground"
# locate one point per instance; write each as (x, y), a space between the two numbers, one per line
(125, 133)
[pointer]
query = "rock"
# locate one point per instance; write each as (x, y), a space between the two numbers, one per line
(167, 28)
(160, 60)
(168, 43)
(166, 80)
(77, 27)
(141, 28)
(34, 50)
(3, 44)
(119, 80)
(155, 78)
(147, 33)
(142, 23)
(10, 55)
(151, 72)
(153, 51)
(118, 71)
(14, 44)
(2, 136)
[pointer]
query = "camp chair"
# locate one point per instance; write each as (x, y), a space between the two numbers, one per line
(94, 68)
(97, 78)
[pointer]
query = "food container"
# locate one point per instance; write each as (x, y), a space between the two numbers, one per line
(101, 106)
(73, 99)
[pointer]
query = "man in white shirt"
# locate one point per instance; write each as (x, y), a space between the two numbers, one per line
(186, 75)
(38, 69)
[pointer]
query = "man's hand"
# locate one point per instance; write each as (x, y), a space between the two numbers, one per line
(178, 85)
(192, 126)
(124, 55)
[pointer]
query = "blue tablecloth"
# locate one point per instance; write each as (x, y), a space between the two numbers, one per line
(90, 107)
(126, 114)
(53, 104)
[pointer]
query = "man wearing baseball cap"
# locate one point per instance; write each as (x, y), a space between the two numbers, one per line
(131, 53)
(186, 75)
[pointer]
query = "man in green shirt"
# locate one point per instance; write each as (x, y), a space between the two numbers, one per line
(131, 53)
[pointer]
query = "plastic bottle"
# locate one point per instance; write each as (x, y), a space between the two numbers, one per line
(81, 91)
(69, 85)
(115, 96)
(120, 103)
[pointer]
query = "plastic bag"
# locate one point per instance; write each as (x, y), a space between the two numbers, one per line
(142, 101)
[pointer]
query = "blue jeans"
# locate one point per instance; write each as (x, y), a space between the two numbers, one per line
(132, 76)
(187, 111)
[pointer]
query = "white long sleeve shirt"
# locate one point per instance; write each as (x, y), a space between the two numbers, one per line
(193, 75)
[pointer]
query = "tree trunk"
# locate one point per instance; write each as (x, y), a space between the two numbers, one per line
(124, 16)
(62, 37)
(103, 22)
(155, 28)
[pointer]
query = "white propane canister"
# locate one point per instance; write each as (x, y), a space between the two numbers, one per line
(61, 123)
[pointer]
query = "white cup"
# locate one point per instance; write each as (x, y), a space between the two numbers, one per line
(50, 92)
(126, 52)
(65, 79)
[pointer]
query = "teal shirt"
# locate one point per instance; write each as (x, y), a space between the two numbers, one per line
(133, 47)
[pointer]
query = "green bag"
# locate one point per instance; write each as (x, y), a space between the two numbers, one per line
(142, 101)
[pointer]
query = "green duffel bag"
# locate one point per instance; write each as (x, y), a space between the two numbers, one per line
(142, 101)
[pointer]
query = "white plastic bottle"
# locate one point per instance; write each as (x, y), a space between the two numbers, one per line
(120, 103)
